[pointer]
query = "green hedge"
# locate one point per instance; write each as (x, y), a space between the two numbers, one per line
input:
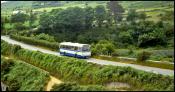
(75, 87)
(33, 41)
(71, 69)
(22, 77)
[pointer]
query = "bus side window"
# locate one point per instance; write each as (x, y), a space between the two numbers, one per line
(75, 48)
(79, 49)
(62, 46)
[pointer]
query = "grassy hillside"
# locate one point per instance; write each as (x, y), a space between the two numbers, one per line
(9, 6)
(152, 8)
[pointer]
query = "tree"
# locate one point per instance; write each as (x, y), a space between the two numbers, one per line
(142, 16)
(46, 22)
(32, 18)
(116, 9)
(132, 15)
(19, 18)
(125, 37)
(100, 14)
(89, 17)
(71, 19)
(157, 37)
(103, 47)
(109, 19)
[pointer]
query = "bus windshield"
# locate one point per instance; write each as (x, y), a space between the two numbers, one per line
(86, 48)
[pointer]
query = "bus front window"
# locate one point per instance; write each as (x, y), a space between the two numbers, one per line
(86, 48)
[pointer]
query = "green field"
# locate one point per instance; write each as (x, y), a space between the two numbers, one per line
(152, 8)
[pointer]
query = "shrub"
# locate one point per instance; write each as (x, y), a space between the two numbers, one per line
(33, 41)
(46, 37)
(143, 56)
(115, 53)
(20, 26)
(75, 87)
(125, 37)
(157, 37)
(103, 47)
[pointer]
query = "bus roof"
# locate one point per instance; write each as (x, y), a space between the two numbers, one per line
(73, 44)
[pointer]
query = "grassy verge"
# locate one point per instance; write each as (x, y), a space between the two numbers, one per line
(147, 63)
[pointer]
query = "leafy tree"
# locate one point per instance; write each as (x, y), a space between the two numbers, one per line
(116, 9)
(125, 37)
(142, 16)
(19, 18)
(153, 38)
(20, 26)
(100, 14)
(109, 19)
(89, 17)
(32, 18)
(71, 19)
(103, 47)
(46, 22)
(132, 15)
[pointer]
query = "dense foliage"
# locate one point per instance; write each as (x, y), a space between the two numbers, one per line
(33, 41)
(87, 73)
(19, 17)
(143, 56)
(46, 37)
(103, 47)
(94, 24)
(76, 87)
(22, 77)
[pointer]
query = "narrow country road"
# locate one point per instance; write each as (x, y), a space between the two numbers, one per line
(98, 61)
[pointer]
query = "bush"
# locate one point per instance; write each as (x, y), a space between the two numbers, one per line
(103, 47)
(125, 37)
(115, 53)
(46, 37)
(143, 56)
(20, 26)
(76, 87)
(33, 41)
(157, 37)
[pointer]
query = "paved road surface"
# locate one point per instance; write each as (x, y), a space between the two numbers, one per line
(98, 61)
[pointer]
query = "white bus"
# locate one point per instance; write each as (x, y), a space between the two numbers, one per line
(76, 50)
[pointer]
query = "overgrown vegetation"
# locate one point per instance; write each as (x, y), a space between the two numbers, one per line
(143, 56)
(76, 87)
(33, 41)
(71, 69)
(19, 76)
